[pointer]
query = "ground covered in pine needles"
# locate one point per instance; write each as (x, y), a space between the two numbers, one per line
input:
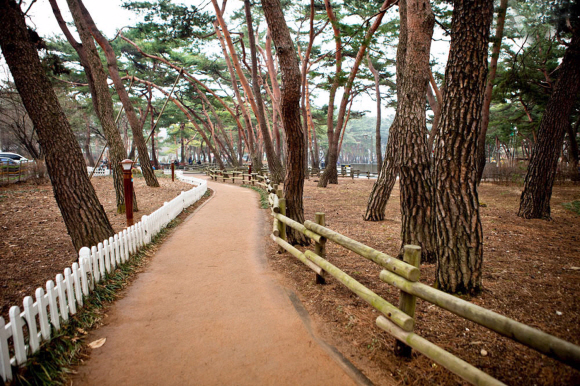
(34, 244)
(531, 274)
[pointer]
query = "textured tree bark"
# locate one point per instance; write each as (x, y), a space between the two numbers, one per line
(83, 214)
(535, 199)
(274, 164)
(378, 96)
(489, 88)
(136, 127)
(383, 187)
(457, 223)
(290, 106)
(416, 186)
(104, 102)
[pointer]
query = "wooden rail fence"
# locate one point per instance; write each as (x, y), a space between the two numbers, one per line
(404, 275)
(54, 304)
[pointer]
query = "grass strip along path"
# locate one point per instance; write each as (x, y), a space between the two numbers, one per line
(207, 310)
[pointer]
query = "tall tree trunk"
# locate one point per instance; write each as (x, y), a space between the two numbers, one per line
(83, 214)
(383, 187)
(416, 185)
(535, 199)
(276, 94)
(330, 173)
(104, 102)
(378, 126)
(457, 223)
(136, 127)
(252, 148)
(290, 106)
(274, 164)
(489, 88)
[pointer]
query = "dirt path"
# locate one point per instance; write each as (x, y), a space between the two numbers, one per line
(207, 311)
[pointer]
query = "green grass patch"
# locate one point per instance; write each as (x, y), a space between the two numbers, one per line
(264, 204)
(573, 206)
(55, 360)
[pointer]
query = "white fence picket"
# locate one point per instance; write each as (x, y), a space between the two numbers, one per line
(17, 325)
(5, 370)
(66, 297)
(30, 316)
(42, 305)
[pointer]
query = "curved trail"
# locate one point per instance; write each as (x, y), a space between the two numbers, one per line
(206, 311)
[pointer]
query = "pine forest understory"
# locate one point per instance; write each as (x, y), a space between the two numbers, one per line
(458, 121)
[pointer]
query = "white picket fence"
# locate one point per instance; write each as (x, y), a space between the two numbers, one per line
(54, 305)
(99, 172)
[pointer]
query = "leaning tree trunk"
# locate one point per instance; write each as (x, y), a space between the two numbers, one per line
(134, 122)
(457, 223)
(535, 199)
(290, 106)
(83, 214)
(383, 187)
(105, 104)
(274, 164)
(489, 88)
(416, 186)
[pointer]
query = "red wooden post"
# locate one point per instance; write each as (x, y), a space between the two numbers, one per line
(173, 171)
(128, 188)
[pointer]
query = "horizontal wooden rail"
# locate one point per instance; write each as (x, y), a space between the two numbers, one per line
(437, 354)
(299, 227)
(392, 264)
(547, 344)
(390, 311)
(296, 253)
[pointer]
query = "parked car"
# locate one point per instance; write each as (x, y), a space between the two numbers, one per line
(13, 156)
(8, 164)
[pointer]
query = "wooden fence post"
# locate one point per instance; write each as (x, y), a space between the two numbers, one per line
(411, 255)
(320, 248)
(253, 178)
